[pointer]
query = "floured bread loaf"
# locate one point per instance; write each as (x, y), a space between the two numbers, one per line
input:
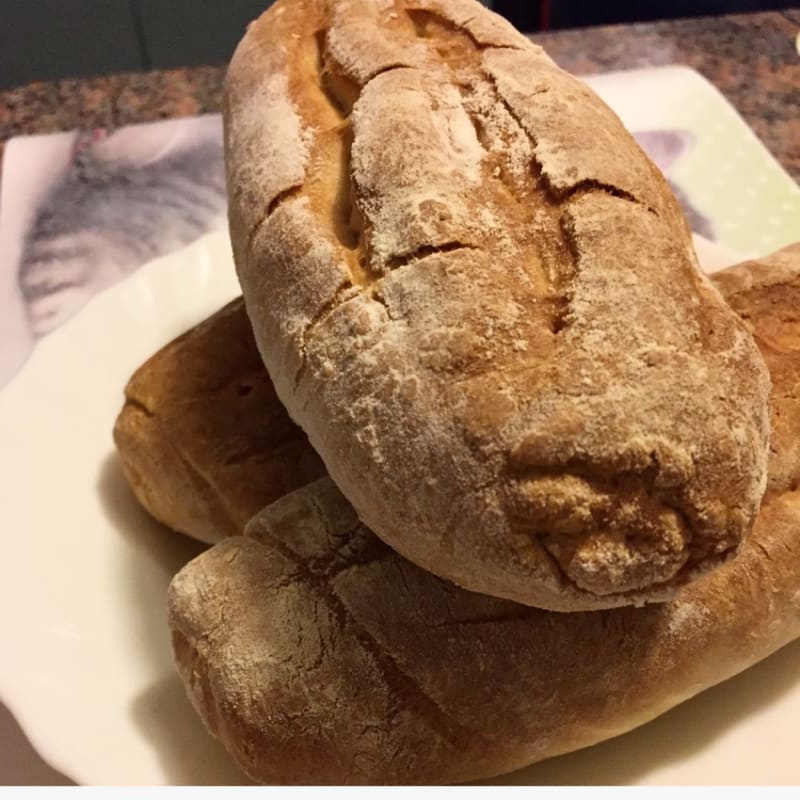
(478, 297)
(316, 654)
(202, 438)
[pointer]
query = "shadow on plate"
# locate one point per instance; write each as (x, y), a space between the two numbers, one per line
(189, 755)
(162, 712)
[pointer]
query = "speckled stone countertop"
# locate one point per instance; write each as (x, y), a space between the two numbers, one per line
(751, 58)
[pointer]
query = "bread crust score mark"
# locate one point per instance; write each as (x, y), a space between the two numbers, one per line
(317, 654)
(479, 299)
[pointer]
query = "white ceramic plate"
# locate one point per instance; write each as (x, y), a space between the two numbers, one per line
(85, 661)
(86, 665)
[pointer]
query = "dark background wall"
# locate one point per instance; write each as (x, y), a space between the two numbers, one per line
(49, 39)
(575, 13)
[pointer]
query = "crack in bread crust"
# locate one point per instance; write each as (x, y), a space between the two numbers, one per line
(407, 691)
(133, 402)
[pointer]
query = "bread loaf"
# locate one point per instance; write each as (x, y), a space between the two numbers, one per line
(202, 438)
(479, 298)
(318, 655)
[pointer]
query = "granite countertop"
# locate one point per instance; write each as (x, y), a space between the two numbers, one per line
(751, 58)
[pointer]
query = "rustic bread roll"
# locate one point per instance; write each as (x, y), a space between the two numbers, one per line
(318, 655)
(478, 297)
(202, 438)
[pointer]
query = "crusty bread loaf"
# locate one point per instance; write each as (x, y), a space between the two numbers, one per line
(478, 297)
(317, 654)
(202, 438)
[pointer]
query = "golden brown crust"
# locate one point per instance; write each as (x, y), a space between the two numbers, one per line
(317, 654)
(765, 293)
(202, 438)
(478, 297)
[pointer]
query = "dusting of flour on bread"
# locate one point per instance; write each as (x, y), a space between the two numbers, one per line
(481, 303)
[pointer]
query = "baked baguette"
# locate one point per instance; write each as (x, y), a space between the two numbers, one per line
(202, 438)
(478, 297)
(318, 655)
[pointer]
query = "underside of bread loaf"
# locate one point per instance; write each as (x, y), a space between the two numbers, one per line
(202, 438)
(317, 654)
(478, 297)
